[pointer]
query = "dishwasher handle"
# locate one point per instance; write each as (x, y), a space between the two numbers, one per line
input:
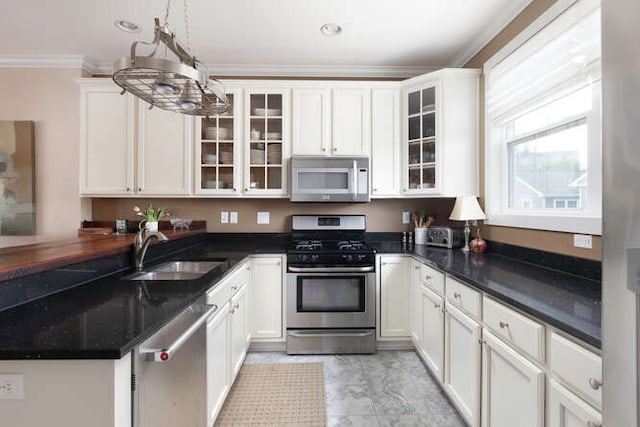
(165, 354)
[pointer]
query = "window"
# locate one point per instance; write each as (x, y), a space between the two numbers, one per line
(543, 121)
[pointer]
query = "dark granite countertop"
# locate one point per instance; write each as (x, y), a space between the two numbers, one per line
(566, 301)
(105, 317)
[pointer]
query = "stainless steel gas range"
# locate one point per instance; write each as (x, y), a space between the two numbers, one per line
(331, 296)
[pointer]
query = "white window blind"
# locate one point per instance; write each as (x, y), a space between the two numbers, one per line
(561, 59)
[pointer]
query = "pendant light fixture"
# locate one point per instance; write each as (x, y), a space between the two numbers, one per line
(175, 84)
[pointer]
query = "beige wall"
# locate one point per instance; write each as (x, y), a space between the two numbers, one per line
(382, 215)
(543, 240)
(49, 97)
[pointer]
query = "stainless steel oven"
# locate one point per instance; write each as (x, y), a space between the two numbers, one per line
(330, 287)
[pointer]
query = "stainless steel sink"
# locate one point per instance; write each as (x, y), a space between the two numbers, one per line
(187, 266)
(176, 270)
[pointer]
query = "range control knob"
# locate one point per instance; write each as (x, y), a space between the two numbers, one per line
(347, 257)
(303, 257)
(315, 257)
(361, 257)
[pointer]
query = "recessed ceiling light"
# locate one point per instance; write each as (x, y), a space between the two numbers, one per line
(331, 29)
(127, 26)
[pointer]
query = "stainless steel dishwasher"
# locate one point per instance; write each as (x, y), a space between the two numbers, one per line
(169, 387)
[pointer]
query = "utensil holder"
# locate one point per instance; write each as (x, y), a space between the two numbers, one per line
(421, 235)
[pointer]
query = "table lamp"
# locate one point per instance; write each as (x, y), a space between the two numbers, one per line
(465, 209)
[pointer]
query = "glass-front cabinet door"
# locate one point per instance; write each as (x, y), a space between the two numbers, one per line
(421, 139)
(266, 136)
(219, 150)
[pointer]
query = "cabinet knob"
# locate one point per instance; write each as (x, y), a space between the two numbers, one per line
(504, 324)
(234, 189)
(594, 383)
(246, 189)
(139, 188)
(335, 149)
(233, 288)
(128, 189)
(456, 295)
(324, 149)
(427, 278)
(417, 267)
(436, 305)
(278, 263)
(481, 342)
(593, 424)
(375, 190)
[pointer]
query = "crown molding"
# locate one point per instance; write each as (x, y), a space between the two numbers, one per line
(489, 33)
(230, 70)
(54, 61)
(320, 71)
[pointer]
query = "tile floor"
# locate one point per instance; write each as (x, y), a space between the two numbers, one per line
(389, 388)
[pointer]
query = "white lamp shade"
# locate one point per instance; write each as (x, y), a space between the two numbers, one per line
(466, 208)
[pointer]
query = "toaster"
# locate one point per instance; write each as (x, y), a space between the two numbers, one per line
(445, 237)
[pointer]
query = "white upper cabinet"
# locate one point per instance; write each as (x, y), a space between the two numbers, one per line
(440, 133)
(331, 121)
(311, 117)
(165, 141)
(107, 139)
(266, 141)
(385, 143)
(218, 150)
(127, 149)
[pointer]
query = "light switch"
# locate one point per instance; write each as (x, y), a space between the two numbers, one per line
(224, 217)
(233, 217)
(263, 217)
(406, 217)
(582, 241)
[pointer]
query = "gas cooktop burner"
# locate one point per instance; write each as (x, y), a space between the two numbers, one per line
(352, 245)
(308, 245)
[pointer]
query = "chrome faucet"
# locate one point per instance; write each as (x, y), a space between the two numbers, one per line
(141, 244)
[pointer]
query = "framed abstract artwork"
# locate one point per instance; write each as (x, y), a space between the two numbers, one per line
(17, 178)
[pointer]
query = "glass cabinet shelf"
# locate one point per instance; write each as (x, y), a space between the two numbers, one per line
(421, 138)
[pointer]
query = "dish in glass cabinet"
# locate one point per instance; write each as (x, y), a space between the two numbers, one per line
(267, 111)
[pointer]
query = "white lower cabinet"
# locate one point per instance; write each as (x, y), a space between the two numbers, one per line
(462, 363)
(433, 331)
(394, 296)
(239, 326)
(218, 373)
(513, 387)
(565, 409)
(228, 336)
(266, 302)
(416, 323)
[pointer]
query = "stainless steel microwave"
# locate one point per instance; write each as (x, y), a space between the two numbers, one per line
(329, 179)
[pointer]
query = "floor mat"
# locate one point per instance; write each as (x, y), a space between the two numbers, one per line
(278, 394)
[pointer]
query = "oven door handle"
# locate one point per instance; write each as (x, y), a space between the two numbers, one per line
(331, 269)
(325, 334)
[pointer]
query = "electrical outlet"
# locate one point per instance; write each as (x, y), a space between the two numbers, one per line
(406, 217)
(582, 241)
(263, 218)
(11, 386)
(224, 217)
(233, 217)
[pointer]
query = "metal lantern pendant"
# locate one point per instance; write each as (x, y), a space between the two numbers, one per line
(178, 86)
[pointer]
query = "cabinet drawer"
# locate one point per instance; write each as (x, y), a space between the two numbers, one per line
(433, 279)
(515, 328)
(227, 287)
(221, 293)
(463, 296)
(579, 368)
